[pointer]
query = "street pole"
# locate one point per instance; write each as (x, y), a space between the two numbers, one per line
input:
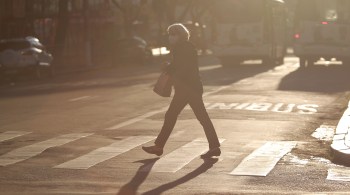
(88, 53)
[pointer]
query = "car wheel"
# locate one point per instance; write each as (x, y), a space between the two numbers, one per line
(280, 61)
(269, 61)
(346, 61)
(51, 71)
(303, 62)
(148, 57)
(38, 73)
(41, 72)
(229, 61)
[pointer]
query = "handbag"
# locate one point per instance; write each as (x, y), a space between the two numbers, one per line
(164, 84)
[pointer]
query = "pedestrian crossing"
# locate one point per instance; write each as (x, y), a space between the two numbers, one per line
(179, 158)
(339, 174)
(102, 154)
(260, 162)
(27, 152)
(264, 159)
(11, 134)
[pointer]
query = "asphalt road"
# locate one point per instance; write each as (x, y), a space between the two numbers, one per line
(82, 133)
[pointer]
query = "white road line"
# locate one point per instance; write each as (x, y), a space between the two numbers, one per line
(179, 158)
(264, 159)
(27, 152)
(178, 133)
(324, 132)
(105, 153)
(339, 174)
(152, 113)
(212, 67)
(79, 98)
(137, 119)
(216, 90)
(11, 134)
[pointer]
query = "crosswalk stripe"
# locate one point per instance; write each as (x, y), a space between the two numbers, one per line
(339, 174)
(264, 159)
(179, 158)
(105, 153)
(27, 152)
(11, 134)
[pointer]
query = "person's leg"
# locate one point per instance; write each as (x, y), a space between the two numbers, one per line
(176, 106)
(197, 105)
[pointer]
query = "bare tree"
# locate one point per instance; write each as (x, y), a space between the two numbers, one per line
(130, 13)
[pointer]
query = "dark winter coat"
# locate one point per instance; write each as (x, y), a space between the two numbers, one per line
(184, 68)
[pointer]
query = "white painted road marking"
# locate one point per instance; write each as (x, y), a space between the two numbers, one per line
(339, 174)
(152, 113)
(324, 132)
(178, 133)
(105, 153)
(11, 134)
(136, 119)
(179, 158)
(264, 159)
(81, 98)
(265, 107)
(27, 152)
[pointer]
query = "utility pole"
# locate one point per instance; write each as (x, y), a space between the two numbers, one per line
(88, 53)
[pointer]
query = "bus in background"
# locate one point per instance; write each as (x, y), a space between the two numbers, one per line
(249, 30)
(322, 30)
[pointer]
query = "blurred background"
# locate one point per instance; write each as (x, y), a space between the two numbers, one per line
(72, 33)
(82, 32)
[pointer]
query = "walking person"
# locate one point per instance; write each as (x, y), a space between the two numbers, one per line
(188, 90)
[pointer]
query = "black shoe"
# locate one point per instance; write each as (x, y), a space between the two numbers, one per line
(153, 150)
(211, 153)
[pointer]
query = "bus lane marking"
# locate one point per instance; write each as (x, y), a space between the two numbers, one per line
(266, 107)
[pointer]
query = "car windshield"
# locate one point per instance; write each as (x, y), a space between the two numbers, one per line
(238, 11)
(323, 10)
(15, 45)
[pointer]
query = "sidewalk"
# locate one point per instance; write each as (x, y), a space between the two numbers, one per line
(74, 69)
(340, 148)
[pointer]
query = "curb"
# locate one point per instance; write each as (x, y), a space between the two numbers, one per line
(71, 70)
(340, 148)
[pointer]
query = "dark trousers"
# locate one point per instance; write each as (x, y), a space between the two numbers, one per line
(178, 103)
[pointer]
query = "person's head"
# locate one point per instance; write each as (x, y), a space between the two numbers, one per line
(178, 32)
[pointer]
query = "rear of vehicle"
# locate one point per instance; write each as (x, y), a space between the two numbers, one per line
(133, 49)
(248, 30)
(23, 56)
(322, 30)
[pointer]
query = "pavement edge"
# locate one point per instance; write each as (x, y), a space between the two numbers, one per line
(340, 148)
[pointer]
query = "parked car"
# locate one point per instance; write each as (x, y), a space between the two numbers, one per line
(23, 56)
(133, 49)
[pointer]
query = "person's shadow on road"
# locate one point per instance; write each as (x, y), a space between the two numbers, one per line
(207, 164)
(141, 175)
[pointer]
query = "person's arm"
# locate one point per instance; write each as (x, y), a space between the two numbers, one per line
(169, 67)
